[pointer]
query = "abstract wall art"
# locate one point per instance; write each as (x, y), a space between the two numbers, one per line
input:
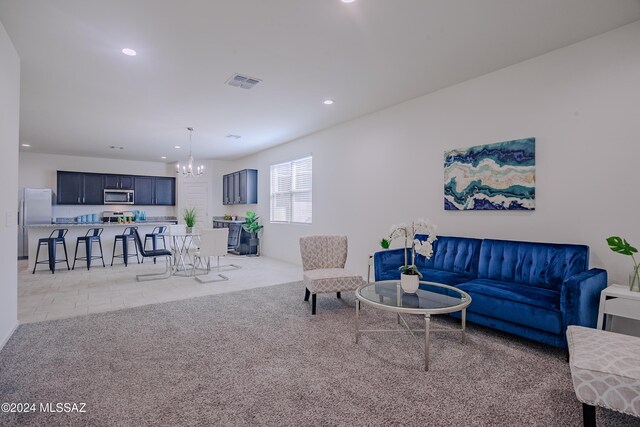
(497, 176)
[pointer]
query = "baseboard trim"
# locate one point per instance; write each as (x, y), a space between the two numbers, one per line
(8, 337)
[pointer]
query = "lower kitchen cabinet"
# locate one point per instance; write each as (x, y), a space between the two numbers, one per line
(238, 242)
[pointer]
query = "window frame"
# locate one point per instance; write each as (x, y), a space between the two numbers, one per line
(291, 191)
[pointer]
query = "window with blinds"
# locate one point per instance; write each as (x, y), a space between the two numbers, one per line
(291, 199)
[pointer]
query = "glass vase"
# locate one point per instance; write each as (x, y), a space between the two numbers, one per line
(634, 279)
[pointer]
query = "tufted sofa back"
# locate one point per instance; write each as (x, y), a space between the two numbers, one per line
(545, 265)
(455, 254)
(323, 252)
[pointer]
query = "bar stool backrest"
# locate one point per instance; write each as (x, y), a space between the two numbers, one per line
(159, 230)
(94, 232)
(129, 231)
(58, 233)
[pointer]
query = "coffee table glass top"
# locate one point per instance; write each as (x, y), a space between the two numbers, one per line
(430, 297)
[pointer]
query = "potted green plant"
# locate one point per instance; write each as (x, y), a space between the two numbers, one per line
(189, 217)
(410, 275)
(252, 227)
(621, 246)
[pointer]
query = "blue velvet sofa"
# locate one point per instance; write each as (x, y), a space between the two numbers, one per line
(534, 290)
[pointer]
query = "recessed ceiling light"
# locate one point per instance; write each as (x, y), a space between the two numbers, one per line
(177, 146)
(348, 1)
(129, 52)
(327, 101)
(26, 145)
(163, 157)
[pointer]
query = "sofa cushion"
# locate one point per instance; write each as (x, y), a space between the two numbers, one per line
(444, 277)
(525, 305)
(453, 254)
(544, 265)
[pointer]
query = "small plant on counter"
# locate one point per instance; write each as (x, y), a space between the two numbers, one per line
(189, 217)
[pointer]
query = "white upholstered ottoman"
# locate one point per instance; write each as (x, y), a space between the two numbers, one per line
(605, 368)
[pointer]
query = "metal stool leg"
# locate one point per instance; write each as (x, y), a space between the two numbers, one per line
(113, 254)
(36, 263)
(52, 255)
(125, 250)
(88, 244)
(66, 257)
(101, 254)
(75, 255)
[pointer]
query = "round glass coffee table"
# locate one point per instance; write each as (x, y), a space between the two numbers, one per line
(430, 298)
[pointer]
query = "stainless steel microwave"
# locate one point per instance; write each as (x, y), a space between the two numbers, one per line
(118, 197)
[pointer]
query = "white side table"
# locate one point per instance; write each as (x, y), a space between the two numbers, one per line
(618, 300)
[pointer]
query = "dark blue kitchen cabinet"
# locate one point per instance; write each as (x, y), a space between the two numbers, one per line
(155, 190)
(119, 182)
(165, 191)
(144, 190)
(85, 188)
(78, 188)
(240, 188)
(93, 189)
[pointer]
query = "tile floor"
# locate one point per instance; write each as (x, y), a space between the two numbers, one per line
(46, 296)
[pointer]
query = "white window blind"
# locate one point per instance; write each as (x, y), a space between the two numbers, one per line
(291, 199)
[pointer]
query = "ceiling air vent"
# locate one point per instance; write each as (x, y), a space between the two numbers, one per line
(243, 82)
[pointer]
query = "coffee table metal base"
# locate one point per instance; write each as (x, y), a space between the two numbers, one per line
(427, 330)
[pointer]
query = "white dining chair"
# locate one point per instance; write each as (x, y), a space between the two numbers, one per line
(213, 243)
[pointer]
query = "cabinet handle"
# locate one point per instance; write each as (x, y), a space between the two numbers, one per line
(82, 199)
(78, 199)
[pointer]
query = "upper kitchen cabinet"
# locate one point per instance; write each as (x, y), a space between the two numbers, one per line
(119, 182)
(83, 188)
(165, 191)
(155, 190)
(240, 188)
(76, 188)
(144, 190)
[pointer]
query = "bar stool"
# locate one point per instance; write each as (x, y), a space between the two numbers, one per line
(93, 235)
(155, 235)
(55, 238)
(124, 238)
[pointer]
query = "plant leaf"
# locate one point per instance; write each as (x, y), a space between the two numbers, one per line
(621, 246)
(385, 243)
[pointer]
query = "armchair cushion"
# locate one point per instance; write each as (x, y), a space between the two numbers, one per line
(331, 280)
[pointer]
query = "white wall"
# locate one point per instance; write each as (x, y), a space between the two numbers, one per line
(579, 102)
(39, 171)
(9, 130)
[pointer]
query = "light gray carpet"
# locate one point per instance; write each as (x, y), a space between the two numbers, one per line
(258, 357)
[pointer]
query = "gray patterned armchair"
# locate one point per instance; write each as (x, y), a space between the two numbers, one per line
(323, 260)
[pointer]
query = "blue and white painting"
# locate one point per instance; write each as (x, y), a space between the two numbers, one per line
(491, 177)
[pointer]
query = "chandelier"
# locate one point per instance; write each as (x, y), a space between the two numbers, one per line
(188, 169)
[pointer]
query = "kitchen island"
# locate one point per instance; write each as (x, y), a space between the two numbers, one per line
(40, 231)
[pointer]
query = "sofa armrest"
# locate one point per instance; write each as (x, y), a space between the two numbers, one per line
(580, 297)
(387, 264)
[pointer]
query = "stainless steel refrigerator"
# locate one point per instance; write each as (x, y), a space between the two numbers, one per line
(35, 208)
